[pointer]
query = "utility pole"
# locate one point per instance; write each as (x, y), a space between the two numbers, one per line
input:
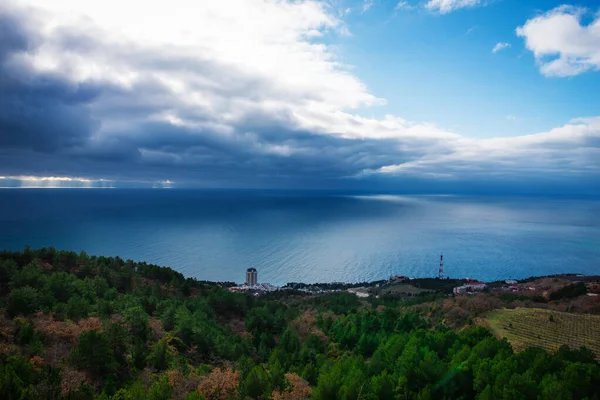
(441, 271)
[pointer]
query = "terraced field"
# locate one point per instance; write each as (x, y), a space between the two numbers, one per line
(546, 329)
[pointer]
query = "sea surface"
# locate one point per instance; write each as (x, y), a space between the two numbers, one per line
(310, 237)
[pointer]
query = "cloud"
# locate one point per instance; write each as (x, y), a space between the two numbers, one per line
(366, 5)
(560, 43)
(566, 151)
(41, 111)
(447, 6)
(403, 5)
(52, 182)
(234, 94)
(500, 46)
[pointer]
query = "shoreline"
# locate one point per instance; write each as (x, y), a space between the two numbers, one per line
(342, 284)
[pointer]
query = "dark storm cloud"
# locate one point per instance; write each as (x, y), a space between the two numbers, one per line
(13, 37)
(42, 112)
(251, 153)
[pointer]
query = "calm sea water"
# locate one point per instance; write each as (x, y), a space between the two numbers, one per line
(310, 237)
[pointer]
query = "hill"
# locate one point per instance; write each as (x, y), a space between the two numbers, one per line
(74, 326)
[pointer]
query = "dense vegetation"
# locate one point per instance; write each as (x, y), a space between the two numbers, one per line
(81, 327)
(569, 292)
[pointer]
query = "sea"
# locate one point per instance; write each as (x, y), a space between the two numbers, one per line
(310, 236)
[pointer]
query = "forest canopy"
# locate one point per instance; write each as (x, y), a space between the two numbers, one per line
(75, 326)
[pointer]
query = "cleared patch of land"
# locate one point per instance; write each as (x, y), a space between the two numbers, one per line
(546, 329)
(398, 289)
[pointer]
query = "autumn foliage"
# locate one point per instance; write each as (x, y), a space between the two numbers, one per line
(298, 389)
(220, 384)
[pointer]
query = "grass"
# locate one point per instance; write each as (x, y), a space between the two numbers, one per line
(547, 329)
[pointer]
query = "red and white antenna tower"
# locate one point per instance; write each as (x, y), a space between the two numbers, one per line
(441, 271)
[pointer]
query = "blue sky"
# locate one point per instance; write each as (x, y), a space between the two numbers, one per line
(441, 68)
(422, 95)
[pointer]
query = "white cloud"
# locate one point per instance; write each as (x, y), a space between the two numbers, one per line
(137, 42)
(561, 44)
(500, 46)
(570, 149)
(403, 5)
(366, 5)
(447, 6)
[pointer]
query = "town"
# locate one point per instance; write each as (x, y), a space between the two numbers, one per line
(401, 286)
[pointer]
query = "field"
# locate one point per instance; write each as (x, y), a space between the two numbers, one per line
(546, 329)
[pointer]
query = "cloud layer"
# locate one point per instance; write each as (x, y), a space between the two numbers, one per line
(562, 45)
(235, 94)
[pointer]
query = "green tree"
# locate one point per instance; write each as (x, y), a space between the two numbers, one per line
(117, 337)
(16, 377)
(23, 300)
(77, 307)
(160, 389)
(139, 353)
(138, 323)
(257, 384)
(160, 355)
(30, 275)
(382, 387)
(134, 392)
(7, 269)
(93, 354)
(552, 388)
(168, 317)
(60, 285)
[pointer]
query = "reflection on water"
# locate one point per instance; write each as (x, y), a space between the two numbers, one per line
(310, 237)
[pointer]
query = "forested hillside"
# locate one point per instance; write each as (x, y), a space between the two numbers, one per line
(74, 326)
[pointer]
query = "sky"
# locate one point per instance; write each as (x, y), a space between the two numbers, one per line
(435, 96)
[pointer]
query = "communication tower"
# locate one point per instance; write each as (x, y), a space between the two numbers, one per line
(441, 271)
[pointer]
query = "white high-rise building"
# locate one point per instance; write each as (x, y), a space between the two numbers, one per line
(251, 277)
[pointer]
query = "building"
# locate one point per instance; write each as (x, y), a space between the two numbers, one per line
(469, 287)
(510, 282)
(257, 289)
(251, 277)
(476, 285)
(459, 290)
(399, 278)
